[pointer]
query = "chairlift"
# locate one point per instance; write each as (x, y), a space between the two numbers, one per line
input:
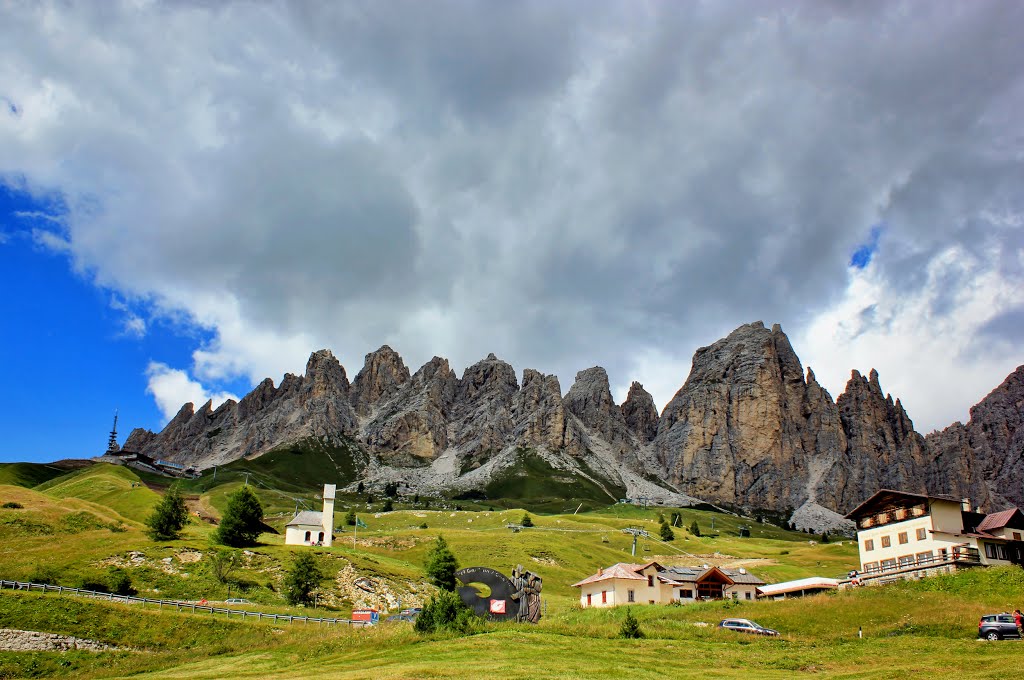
(604, 539)
(647, 548)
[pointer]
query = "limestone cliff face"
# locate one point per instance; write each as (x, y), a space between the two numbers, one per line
(538, 413)
(733, 431)
(482, 414)
(640, 413)
(984, 460)
(383, 375)
(590, 400)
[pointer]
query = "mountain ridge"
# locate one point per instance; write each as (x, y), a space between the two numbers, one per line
(749, 428)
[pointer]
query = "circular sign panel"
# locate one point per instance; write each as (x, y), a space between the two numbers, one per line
(488, 593)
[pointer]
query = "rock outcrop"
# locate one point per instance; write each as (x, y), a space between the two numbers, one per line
(984, 459)
(640, 413)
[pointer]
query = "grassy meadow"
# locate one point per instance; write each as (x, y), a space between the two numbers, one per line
(74, 528)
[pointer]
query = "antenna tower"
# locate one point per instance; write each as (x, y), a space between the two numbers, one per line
(112, 447)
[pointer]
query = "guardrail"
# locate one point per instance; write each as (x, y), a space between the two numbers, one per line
(178, 605)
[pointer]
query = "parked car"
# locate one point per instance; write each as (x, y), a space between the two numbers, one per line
(746, 626)
(997, 627)
(405, 615)
(237, 600)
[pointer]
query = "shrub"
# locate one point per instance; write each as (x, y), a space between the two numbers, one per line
(527, 521)
(350, 518)
(243, 520)
(303, 578)
(119, 582)
(445, 612)
(388, 506)
(11, 505)
(630, 628)
(222, 563)
(391, 489)
(423, 526)
(441, 565)
(169, 516)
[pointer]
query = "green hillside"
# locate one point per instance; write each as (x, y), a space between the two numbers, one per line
(29, 474)
(113, 486)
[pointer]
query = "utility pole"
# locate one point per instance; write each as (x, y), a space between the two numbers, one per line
(246, 478)
(635, 532)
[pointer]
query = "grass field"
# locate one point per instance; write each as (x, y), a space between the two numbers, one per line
(74, 528)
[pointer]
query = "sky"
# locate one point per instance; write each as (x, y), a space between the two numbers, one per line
(195, 196)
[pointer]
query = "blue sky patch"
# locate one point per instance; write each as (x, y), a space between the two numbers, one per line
(862, 256)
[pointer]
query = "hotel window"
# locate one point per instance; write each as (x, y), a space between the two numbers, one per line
(906, 560)
(748, 594)
(886, 541)
(686, 594)
(650, 581)
(870, 567)
(888, 564)
(1016, 535)
(869, 545)
(902, 536)
(629, 594)
(924, 557)
(604, 597)
(922, 534)
(990, 550)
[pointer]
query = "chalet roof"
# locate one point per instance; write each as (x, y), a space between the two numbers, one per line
(619, 570)
(999, 520)
(308, 518)
(887, 498)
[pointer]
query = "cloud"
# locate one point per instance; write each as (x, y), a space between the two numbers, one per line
(561, 183)
(171, 388)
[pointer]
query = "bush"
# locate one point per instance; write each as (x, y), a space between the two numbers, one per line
(303, 578)
(169, 516)
(391, 489)
(350, 518)
(630, 628)
(445, 612)
(119, 582)
(441, 565)
(423, 526)
(388, 505)
(526, 521)
(222, 563)
(11, 505)
(243, 520)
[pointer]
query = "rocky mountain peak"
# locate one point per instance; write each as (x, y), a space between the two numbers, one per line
(640, 413)
(382, 375)
(325, 374)
(490, 375)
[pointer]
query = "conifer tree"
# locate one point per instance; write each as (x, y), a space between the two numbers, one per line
(666, 532)
(243, 520)
(527, 521)
(303, 578)
(441, 565)
(695, 528)
(630, 628)
(169, 516)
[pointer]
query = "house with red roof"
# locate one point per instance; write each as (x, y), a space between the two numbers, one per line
(910, 535)
(651, 583)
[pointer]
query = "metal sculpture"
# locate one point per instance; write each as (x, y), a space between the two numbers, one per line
(507, 600)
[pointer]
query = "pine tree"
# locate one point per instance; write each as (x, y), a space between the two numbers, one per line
(694, 528)
(303, 578)
(824, 537)
(169, 516)
(388, 506)
(630, 628)
(243, 520)
(441, 565)
(360, 487)
(666, 532)
(350, 518)
(527, 521)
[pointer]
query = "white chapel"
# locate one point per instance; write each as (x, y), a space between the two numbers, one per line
(313, 528)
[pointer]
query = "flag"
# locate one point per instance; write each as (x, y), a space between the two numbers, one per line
(497, 606)
(360, 523)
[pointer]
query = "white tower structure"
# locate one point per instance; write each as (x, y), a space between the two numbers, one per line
(329, 490)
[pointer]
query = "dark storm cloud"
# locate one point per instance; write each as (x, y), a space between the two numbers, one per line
(562, 183)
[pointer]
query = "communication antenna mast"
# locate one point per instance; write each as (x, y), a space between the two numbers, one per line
(112, 446)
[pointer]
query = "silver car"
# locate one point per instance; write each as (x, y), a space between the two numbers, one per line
(746, 626)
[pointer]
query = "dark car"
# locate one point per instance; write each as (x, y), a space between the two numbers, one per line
(405, 615)
(997, 627)
(746, 626)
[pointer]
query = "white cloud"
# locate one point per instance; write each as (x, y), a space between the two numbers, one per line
(171, 388)
(931, 361)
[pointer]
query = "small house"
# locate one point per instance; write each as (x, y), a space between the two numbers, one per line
(652, 583)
